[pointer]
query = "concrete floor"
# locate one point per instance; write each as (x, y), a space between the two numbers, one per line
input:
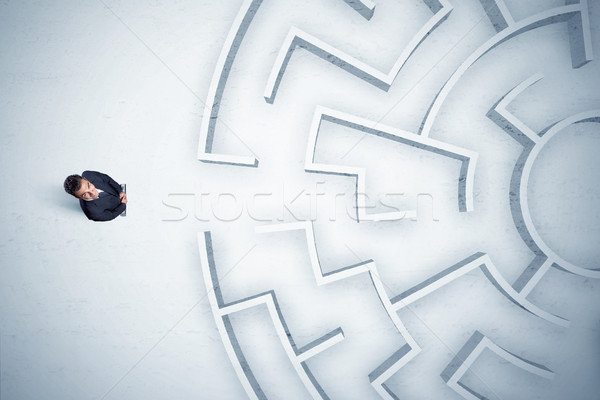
(127, 309)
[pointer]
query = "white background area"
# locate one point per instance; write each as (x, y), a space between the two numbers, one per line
(119, 310)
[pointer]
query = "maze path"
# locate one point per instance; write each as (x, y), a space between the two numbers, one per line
(297, 38)
(298, 357)
(577, 17)
(469, 353)
(467, 158)
(217, 87)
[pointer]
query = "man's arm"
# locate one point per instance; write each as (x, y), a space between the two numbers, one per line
(108, 215)
(112, 183)
(108, 180)
(96, 213)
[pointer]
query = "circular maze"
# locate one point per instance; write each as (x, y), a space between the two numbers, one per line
(391, 247)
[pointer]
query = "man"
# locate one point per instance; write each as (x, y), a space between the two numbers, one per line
(100, 197)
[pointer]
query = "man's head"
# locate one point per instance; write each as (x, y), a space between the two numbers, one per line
(80, 187)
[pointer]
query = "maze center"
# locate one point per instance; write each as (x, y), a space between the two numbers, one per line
(564, 192)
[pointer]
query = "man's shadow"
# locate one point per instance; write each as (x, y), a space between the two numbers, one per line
(64, 200)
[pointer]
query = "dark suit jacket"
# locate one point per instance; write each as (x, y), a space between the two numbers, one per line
(106, 207)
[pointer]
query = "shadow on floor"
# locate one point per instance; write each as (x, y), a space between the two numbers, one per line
(57, 196)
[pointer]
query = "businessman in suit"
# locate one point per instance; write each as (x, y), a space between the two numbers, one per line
(100, 197)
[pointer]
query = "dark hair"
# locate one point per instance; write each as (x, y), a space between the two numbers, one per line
(72, 184)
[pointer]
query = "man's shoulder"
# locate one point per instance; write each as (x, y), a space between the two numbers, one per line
(88, 173)
(88, 208)
(93, 210)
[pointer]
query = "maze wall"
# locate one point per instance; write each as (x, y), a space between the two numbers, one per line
(479, 278)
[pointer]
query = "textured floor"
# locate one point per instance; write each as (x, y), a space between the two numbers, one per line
(336, 199)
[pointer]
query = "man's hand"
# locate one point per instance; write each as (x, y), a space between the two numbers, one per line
(123, 198)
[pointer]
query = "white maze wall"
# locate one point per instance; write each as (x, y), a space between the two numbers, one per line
(461, 288)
